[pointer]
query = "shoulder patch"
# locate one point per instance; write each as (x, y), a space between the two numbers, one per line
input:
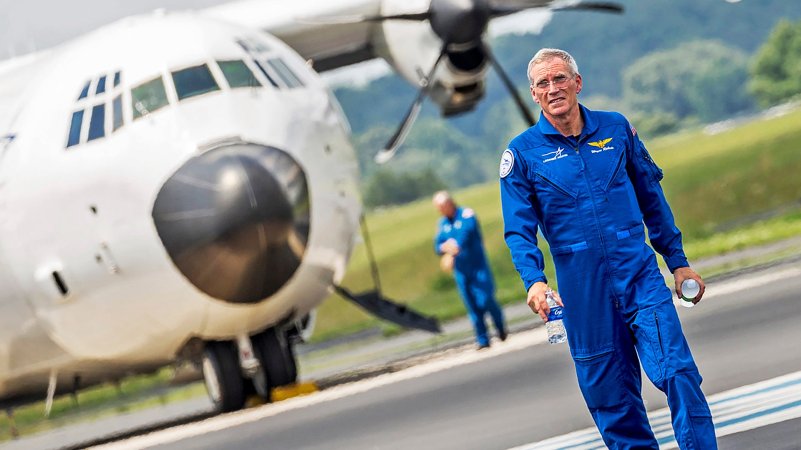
(468, 213)
(507, 162)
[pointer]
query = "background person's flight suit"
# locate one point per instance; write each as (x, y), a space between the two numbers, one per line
(471, 271)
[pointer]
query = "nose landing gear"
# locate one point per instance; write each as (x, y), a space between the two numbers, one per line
(229, 373)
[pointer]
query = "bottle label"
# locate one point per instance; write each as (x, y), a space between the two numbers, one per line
(555, 314)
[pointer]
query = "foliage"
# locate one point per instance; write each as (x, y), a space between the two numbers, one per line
(386, 188)
(776, 69)
(656, 123)
(606, 44)
(703, 79)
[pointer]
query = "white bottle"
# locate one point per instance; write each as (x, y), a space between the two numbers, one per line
(689, 290)
(555, 326)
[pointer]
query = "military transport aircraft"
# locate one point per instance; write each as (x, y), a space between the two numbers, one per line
(181, 186)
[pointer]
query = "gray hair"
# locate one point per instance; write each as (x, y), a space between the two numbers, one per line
(440, 197)
(544, 54)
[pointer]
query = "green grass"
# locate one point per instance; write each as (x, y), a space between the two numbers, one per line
(132, 394)
(716, 184)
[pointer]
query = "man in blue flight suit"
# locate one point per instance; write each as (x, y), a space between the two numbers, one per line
(587, 182)
(459, 241)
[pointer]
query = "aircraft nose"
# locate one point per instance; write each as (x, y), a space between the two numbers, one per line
(235, 220)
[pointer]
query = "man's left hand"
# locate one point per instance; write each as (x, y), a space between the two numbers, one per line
(450, 247)
(683, 273)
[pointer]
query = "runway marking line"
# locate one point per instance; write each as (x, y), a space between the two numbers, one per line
(733, 411)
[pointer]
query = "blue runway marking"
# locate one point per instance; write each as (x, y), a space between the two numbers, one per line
(736, 410)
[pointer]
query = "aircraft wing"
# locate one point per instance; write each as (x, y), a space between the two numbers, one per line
(299, 23)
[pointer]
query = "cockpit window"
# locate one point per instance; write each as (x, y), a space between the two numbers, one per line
(116, 78)
(97, 128)
(75, 128)
(287, 76)
(85, 90)
(101, 85)
(238, 74)
(116, 116)
(148, 97)
(265, 73)
(194, 81)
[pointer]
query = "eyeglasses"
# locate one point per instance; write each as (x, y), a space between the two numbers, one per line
(559, 82)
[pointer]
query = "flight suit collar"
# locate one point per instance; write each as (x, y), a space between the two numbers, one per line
(590, 123)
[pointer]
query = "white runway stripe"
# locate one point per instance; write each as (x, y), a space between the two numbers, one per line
(740, 409)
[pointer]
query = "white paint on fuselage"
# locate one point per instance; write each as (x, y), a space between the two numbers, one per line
(142, 313)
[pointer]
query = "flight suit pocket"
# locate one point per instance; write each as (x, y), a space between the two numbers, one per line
(650, 345)
(600, 379)
(702, 428)
(568, 249)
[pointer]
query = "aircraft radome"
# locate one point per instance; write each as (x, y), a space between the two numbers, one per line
(181, 186)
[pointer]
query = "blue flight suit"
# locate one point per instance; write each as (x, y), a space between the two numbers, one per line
(589, 195)
(471, 271)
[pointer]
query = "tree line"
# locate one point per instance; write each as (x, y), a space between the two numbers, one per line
(665, 64)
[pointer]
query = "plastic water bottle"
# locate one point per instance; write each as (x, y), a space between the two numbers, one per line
(689, 290)
(555, 326)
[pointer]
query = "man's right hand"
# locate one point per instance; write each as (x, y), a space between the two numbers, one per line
(537, 302)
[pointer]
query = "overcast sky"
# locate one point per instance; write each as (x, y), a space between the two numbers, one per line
(28, 25)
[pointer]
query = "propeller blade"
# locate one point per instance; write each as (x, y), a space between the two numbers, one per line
(400, 135)
(505, 10)
(510, 87)
(589, 6)
(341, 20)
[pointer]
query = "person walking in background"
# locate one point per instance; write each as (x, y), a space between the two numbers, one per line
(587, 182)
(459, 243)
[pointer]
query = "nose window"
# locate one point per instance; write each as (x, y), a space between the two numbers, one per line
(194, 81)
(238, 74)
(148, 97)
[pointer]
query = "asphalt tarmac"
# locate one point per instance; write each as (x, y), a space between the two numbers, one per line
(522, 393)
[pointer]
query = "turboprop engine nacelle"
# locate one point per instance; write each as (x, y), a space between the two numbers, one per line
(412, 48)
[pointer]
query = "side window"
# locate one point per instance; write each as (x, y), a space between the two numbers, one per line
(148, 97)
(286, 74)
(194, 81)
(238, 74)
(265, 73)
(116, 113)
(75, 128)
(97, 122)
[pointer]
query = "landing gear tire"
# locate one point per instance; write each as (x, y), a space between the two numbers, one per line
(223, 377)
(276, 355)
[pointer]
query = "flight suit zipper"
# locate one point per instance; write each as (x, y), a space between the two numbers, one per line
(595, 215)
(658, 334)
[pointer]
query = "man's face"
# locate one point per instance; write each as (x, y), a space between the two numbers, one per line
(447, 208)
(555, 88)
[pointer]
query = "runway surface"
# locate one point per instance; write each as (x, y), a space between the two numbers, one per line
(745, 335)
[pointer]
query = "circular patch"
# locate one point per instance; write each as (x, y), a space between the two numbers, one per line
(507, 162)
